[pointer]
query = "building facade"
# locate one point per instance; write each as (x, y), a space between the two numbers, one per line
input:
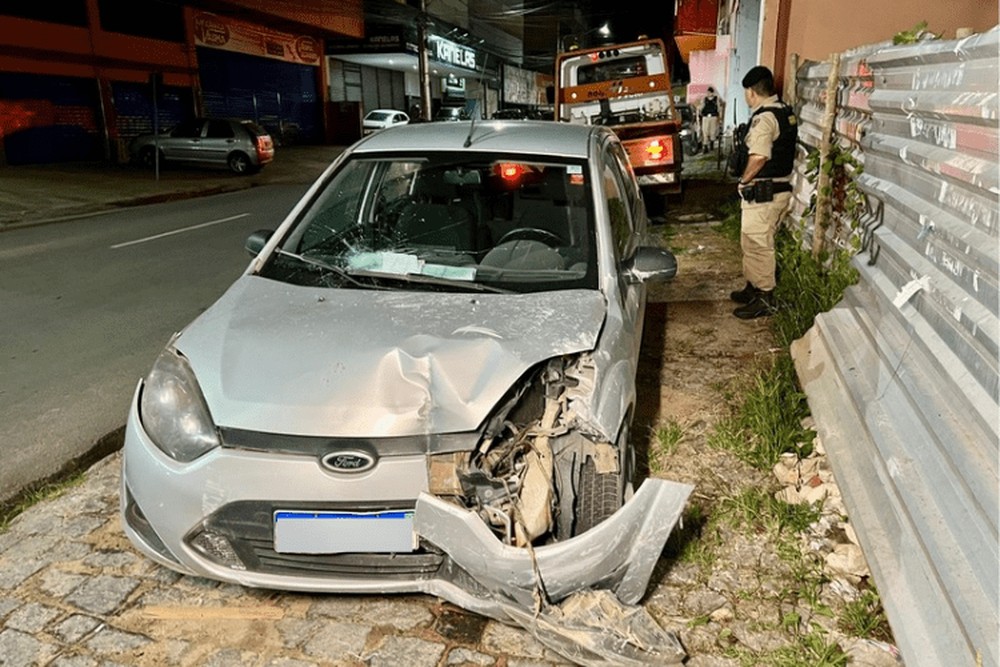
(77, 78)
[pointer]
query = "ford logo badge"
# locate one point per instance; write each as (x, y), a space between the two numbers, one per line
(348, 461)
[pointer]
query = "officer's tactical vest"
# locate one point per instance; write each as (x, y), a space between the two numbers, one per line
(711, 107)
(783, 151)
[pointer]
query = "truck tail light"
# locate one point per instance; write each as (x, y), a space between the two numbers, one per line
(655, 150)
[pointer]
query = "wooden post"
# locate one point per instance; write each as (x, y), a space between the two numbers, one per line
(791, 95)
(823, 181)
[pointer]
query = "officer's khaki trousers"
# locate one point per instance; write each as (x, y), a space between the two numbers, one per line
(758, 224)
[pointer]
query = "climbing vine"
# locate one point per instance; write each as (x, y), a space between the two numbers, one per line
(846, 200)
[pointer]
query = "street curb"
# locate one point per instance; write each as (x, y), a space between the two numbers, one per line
(109, 207)
(107, 444)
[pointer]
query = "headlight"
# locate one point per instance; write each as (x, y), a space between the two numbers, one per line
(173, 410)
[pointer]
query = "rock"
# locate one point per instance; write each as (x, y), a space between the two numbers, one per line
(786, 476)
(871, 653)
(847, 559)
(809, 467)
(788, 495)
(722, 615)
(814, 494)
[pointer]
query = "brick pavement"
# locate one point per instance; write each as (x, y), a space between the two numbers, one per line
(73, 593)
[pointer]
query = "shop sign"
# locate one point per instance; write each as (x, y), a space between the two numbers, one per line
(449, 52)
(229, 34)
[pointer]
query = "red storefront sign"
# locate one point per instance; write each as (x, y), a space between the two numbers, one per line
(219, 32)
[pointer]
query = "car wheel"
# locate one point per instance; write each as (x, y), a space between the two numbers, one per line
(599, 495)
(239, 163)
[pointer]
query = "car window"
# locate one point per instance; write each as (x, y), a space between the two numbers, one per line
(219, 129)
(453, 221)
(187, 130)
(619, 208)
(254, 129)
(630, 186)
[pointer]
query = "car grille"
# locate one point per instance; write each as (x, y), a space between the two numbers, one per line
(246, 525)
(402, 566)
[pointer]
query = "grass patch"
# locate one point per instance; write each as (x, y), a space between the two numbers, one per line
(668, 437)
(768, 422)
(865, 618)
(36, 495)
(806, 287)
(757, 508)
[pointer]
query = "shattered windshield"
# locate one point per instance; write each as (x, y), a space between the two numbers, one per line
(453, 222)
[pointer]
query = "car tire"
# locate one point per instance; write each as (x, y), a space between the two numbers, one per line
(599, 496)
(239, 163)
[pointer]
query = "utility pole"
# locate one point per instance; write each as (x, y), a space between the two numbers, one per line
(425, 77)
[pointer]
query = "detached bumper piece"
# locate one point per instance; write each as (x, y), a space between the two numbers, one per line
(525, 584)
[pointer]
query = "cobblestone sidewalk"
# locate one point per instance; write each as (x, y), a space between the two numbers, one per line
(73, 593)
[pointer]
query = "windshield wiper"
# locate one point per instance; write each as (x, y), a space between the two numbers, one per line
(318, 263)
(420, 279)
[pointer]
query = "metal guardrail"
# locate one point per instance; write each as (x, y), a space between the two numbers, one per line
(902, 375)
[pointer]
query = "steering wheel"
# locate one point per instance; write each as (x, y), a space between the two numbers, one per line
(391, 210)
(532, 234)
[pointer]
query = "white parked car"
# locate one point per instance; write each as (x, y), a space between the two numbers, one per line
(423, 381)
(379, 119)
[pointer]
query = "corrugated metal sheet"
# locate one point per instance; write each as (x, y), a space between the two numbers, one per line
(902, 375)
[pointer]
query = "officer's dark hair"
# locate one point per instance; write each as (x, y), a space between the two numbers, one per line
(760, 80)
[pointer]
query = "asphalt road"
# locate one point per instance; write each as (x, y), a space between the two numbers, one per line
(85, 306)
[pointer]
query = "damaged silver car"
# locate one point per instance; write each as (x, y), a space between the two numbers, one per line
(423, 381)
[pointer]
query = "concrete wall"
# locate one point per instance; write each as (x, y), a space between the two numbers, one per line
(816, 28)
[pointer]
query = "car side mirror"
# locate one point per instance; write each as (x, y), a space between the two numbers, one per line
(257, 240)
(650, 265)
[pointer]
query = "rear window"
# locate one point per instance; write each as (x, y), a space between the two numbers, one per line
(622, 68)
(254, 129)
(378, 115)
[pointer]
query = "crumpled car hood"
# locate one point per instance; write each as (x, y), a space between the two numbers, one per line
(283, 358)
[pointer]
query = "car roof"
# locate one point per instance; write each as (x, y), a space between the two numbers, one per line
(520, 136)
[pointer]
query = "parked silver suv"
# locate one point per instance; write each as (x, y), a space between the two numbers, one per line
(241, 145)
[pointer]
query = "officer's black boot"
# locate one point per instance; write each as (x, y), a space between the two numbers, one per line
(744, 295)
(762, 304)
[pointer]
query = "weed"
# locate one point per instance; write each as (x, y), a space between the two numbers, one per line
(36, 495)
(757, 507)
(865, 617)
(669, 436)
(806, 287)
(768, 422)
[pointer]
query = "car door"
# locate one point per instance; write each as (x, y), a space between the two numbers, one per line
(184, 141)
(627, 217)
(218, 141)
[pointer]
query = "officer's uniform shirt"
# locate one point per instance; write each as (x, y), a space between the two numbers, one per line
(764, 130)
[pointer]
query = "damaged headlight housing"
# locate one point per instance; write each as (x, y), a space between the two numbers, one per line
(173, 411)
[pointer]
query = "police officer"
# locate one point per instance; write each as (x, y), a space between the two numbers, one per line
(765, 188)
(708, 112)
